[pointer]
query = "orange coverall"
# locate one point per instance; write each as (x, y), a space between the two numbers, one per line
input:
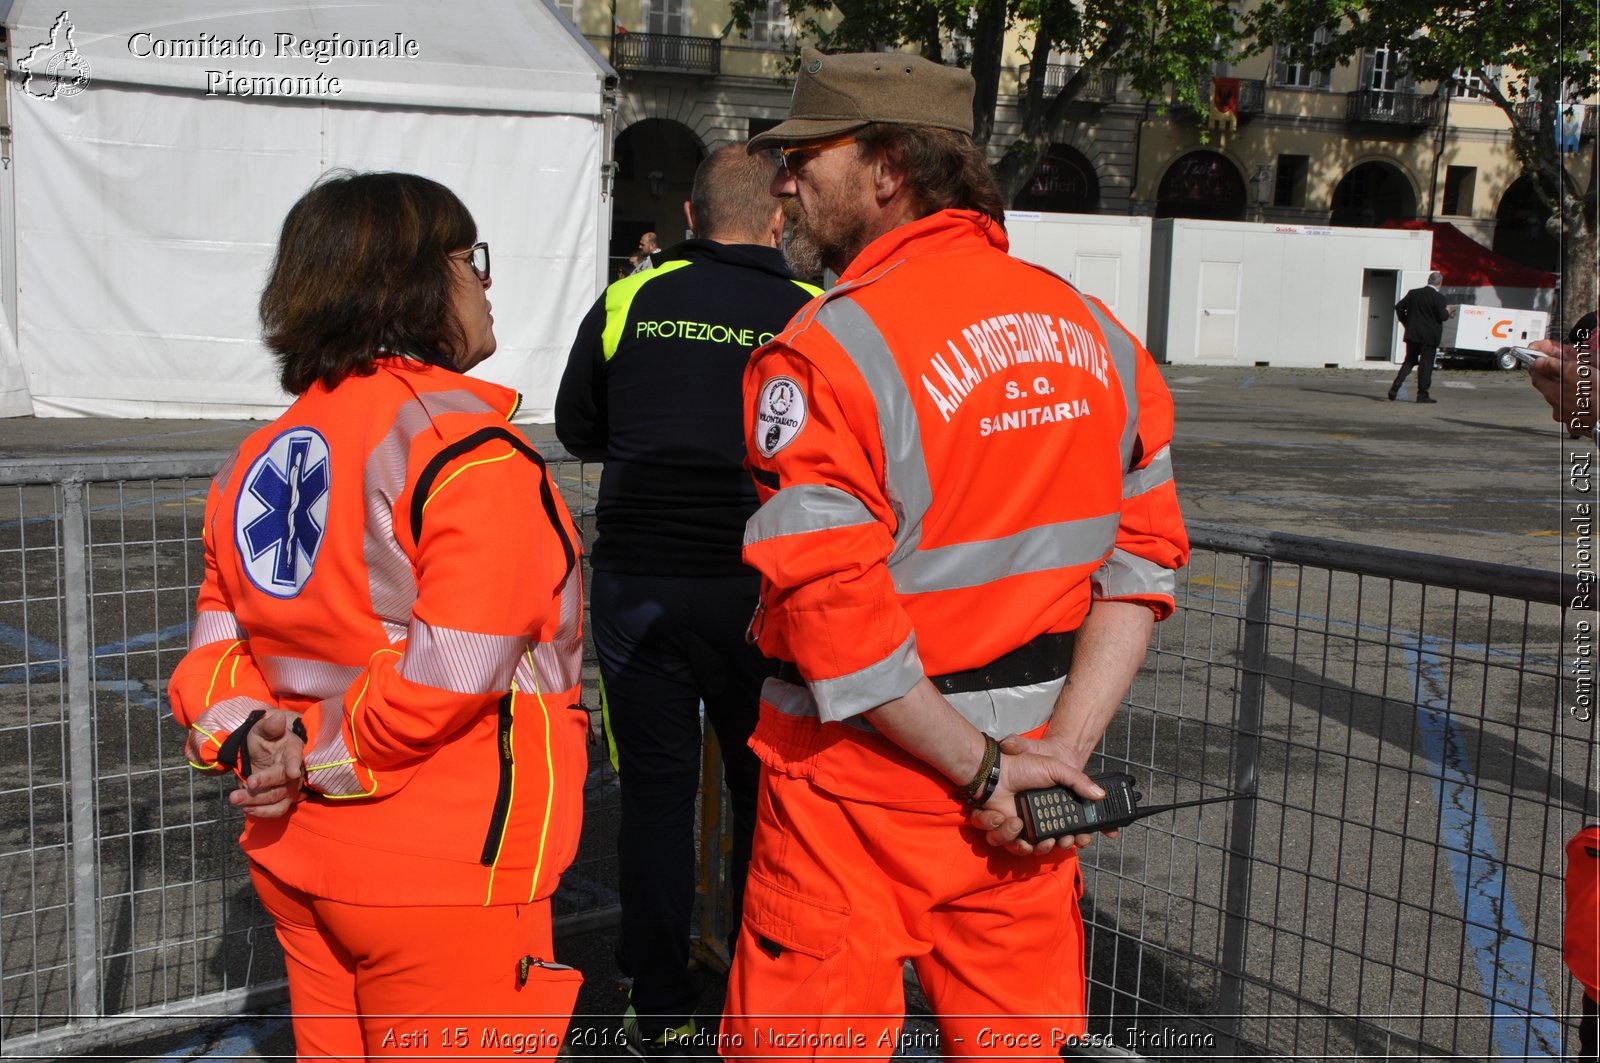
(956, 454)
(1581, 938)
(390, 559)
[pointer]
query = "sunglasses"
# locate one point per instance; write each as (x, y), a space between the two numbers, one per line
(795, 157)
(477, 257)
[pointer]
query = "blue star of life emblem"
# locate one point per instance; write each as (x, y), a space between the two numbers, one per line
(282, 514)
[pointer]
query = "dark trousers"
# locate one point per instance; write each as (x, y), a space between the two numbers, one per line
(1421, 356)
(666, 644)
(1588, 1051)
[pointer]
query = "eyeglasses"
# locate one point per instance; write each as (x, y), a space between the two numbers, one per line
(795, 157)
(477, 257)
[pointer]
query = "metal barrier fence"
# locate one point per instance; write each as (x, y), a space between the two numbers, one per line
(1393, 890)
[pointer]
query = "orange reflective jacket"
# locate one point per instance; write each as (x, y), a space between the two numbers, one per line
(1581, 940)
(390, 559)
(956, 453)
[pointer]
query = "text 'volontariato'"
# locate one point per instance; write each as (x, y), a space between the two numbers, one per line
(998, 343)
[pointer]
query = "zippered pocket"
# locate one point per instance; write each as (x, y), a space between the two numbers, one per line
(502, 797)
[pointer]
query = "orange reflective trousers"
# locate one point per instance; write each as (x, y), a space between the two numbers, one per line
(842, 893)
(420, 981)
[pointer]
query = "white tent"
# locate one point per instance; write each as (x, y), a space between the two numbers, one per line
(156, 147)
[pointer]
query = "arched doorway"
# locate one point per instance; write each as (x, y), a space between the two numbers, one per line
(656, 160)
(1202, 184)
(1519, 228)
(1371, 194)
(1064, 181)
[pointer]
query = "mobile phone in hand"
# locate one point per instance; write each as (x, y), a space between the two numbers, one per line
(1523, 355)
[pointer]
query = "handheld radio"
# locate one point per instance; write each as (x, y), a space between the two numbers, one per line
(1056, 811)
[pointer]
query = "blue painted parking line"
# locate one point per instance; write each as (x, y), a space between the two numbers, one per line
(1520, 1015)
(149, 638)
(51, 662)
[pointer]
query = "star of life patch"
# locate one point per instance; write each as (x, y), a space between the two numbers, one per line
(780, 414)
(281, 518)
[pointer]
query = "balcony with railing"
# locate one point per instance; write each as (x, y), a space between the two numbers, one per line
(1252, 97)
(1392, 108)
(1100, 87)
(1528, 118)
(667, 53)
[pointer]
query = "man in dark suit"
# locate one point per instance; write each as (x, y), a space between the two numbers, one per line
(1423, 312)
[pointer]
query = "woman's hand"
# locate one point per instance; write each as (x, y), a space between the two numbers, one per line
(277, 767)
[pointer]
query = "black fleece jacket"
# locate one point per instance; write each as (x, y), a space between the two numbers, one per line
(653, 389)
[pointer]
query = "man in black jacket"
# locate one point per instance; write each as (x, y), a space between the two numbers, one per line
(1423, 312)
(652, 388)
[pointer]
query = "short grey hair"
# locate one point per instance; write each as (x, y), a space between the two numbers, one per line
(1436, 278)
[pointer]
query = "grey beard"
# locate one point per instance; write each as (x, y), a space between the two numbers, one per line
(802, 254)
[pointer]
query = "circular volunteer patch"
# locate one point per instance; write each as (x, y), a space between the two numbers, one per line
(282, 515)
(780, 414)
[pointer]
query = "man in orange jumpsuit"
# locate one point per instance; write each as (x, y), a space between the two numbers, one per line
(968, 527)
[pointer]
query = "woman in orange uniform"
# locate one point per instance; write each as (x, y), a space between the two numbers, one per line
(387, 646)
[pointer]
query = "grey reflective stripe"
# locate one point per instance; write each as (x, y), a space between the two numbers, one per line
(906, 483)
(1125, 358)
(1125, 575)
(805, 508)
(1159, 471)
(557, 665)
(1008, 710)
(997, 713)
(1037, 549)
(330, 767)
(299, 677)
(221, 719)
(220, 480)
(851, 695)
(391, 578)
(214, 625)
(463, 662)
(794, 699)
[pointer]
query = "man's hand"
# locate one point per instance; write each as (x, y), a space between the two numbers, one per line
(1557, 377)
(1031, 764)
(277, 767)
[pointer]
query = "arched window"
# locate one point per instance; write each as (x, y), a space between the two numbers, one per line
(1371, 194)
(1063, 181)
(1202, 184)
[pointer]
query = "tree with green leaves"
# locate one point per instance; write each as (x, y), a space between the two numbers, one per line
(1158, 45)
(1533, 57)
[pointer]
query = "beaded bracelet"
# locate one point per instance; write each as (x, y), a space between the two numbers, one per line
(987, 780)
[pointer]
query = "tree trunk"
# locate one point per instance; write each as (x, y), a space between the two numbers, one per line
(988, 44)
(1578, 257)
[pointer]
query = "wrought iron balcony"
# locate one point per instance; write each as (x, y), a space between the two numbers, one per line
(1252, 96)
(1399, 110)
(667, 52)
(1528, 117)
(1102, 87)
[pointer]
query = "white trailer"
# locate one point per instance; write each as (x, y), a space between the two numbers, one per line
(1106, 256)
(1479, 331)
(1241, 293)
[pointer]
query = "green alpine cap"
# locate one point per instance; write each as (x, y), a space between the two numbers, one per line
(837, 94)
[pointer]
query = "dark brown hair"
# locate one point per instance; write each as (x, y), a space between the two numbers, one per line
(361, 265)
(732, 195)
(944, 169)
